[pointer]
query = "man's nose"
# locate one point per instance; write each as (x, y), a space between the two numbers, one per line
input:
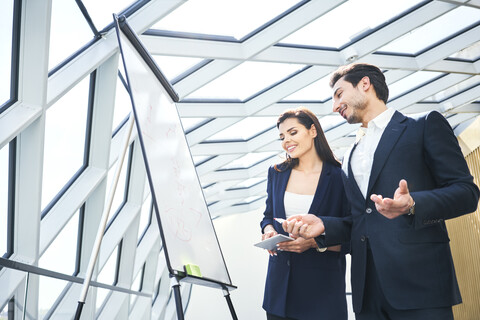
(335, 106)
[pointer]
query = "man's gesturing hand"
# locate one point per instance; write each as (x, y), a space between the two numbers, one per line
(400, 204)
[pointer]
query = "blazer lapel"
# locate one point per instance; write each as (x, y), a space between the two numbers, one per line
(387, 142)
(322, 186)
(283, 181)
(351, 177)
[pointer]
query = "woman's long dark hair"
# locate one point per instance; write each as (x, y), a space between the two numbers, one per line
(307, 118)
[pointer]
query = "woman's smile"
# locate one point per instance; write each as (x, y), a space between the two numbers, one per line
(290, 149)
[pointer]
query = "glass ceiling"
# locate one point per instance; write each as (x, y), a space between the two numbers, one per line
(69, 31)
(454, 90)
(411, 82)
(416, 41)
(256, 80)
(471, 53)
(347, 23)
(101, 11)
(230, 18)
(274, 75)
(172, 67)
(6, 27)
(234, 85)
(244, 129)
(317, 91)
(248, 160)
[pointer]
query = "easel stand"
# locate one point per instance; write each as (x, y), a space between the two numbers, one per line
(175, 283)
(178, 296)
(226, 294)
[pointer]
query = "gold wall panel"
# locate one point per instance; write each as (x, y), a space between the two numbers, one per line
(464, 235)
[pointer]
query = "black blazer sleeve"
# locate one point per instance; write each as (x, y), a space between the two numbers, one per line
(456, 193)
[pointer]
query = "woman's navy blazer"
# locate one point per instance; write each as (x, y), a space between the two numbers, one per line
(308, 285)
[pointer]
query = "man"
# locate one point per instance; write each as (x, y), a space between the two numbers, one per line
(403, 178)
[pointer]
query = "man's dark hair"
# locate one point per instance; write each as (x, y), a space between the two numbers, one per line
(354, 72)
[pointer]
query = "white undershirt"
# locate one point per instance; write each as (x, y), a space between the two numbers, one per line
(362, 157)
(296, 204)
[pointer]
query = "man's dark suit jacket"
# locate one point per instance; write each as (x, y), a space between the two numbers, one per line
(311, 284)
(411, 253)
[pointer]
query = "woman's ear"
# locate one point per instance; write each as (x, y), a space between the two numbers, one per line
(313, 131)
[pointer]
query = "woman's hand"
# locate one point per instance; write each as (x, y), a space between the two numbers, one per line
(268, 232)
(298, 245)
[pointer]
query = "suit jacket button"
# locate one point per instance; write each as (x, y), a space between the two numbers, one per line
(362, 238)
(369, 210)
(288, 263)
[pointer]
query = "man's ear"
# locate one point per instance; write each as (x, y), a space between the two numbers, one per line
(365, 83)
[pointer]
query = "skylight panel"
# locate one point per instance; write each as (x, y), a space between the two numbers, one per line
(172, 67)
(318, 91)
(331, 121)
(65, 129)
(68, 31)
(411, 82)
(60, 256)
(6, 39)
(471, 53)
(245, 129)
(438, 30)
(222, 17)
(348, 21)
(190, 124)
(101, 11)
(200, 159)
(249, 200)
(454, 90)
(245, 80)
(248, 160)
(248, 183)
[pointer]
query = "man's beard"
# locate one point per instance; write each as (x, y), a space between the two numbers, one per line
(357, 105)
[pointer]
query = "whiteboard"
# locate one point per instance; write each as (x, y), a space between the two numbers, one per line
(185, 224)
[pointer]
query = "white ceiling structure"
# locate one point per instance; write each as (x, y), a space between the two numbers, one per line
(430, 58)
(236, 65)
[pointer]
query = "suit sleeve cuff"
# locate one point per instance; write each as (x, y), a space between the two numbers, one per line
(320, 240)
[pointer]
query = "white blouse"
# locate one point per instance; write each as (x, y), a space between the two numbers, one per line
(296, 204)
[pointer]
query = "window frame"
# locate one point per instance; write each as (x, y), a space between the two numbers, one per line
(15, 56)
(86, 152)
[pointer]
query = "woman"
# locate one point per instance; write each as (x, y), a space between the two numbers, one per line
(303, 281)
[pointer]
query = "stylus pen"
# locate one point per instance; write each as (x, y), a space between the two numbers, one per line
(279, 220)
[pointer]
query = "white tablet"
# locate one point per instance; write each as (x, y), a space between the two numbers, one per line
(270, 243)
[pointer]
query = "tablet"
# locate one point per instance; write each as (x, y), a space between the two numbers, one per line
(270, 243)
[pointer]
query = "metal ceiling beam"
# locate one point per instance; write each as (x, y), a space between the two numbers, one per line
(257, 43)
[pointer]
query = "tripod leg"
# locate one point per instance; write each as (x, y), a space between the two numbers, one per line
(178, 297)
(230, 305)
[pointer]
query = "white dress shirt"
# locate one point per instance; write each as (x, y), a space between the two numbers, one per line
(367, 142)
